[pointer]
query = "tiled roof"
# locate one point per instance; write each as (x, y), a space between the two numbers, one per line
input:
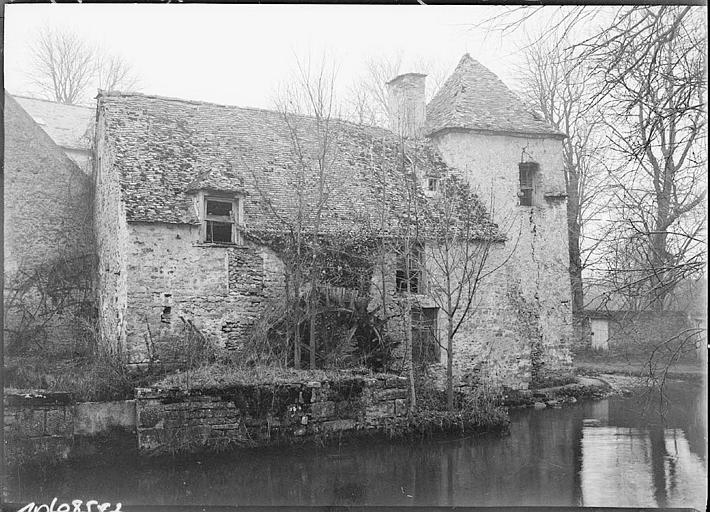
(68, 125)
(218, 178)
(474, 98)
(166, 148)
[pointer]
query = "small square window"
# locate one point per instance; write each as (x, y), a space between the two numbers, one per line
(220, 220)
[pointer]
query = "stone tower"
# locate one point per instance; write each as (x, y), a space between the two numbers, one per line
(513, 158)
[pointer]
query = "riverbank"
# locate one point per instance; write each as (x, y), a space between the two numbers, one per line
(639, 369)
(599, 380)
(551, 458)
(202, 411)
(207, 412)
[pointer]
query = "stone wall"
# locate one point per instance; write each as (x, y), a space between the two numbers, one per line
(176, 283)
(492, 345)
(171, 421)
(46, 428)
(48, 244)
(111, 238)
(527, 306)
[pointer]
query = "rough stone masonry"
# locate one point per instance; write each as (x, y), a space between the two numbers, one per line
(173, 420)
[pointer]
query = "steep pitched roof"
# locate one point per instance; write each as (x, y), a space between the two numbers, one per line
(164, 149)
(474, 98)
(219, 179)
(67, 125)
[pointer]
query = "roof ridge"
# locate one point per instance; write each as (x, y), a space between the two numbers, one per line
(103, 93)
(49, 101)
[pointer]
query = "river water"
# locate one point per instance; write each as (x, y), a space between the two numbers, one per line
(615, 452)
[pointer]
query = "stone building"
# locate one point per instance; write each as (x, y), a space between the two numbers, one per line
(625, 326)
(190, 194)
(510, 154)
(48, 242)
(69, 126)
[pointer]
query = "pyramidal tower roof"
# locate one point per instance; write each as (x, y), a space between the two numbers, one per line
(474, 98)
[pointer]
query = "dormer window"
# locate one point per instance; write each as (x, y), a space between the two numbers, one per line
(220, 220)
(529, 174)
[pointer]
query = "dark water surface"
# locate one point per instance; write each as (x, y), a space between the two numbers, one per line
(616, 452)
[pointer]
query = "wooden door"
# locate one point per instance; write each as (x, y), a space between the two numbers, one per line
(600, 334)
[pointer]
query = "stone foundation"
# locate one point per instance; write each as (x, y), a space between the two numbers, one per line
(174, 421)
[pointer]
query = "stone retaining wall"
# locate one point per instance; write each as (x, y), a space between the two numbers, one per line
(51, 427)
(172, 421)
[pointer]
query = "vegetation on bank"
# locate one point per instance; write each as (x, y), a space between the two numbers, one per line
(473, 412)
(88, 378)
(224, 374)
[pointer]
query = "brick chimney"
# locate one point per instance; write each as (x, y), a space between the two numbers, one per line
(407, 107)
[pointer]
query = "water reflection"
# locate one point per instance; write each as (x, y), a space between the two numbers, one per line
(624, 467)
(685, 472)
(616, 467)
(616, 452)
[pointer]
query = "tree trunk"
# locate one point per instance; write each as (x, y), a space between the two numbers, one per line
(660, 286)
(450, 364)
(296, 346)
(409, 355)
(572, 172)
(297, 325)
(575, 259)
(312, 338)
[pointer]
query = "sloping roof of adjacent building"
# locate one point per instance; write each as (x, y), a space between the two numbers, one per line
(164, 149)
(69, 126)
(474, 98)
(47, 198)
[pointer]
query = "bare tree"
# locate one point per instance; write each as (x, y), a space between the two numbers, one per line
(647, 233)
(461, 237)
(368, 99)
(562, 91)
(657, 131)
(64, 67)
(307, 108)
(317, 85)
(648, 63)
(114, 73)
(407, 250)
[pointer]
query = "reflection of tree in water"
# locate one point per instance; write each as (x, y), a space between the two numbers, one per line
(686, 473)
(681, 405)
(648, 456)
(658, 457)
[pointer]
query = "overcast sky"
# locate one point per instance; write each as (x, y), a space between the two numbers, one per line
(238, 55)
